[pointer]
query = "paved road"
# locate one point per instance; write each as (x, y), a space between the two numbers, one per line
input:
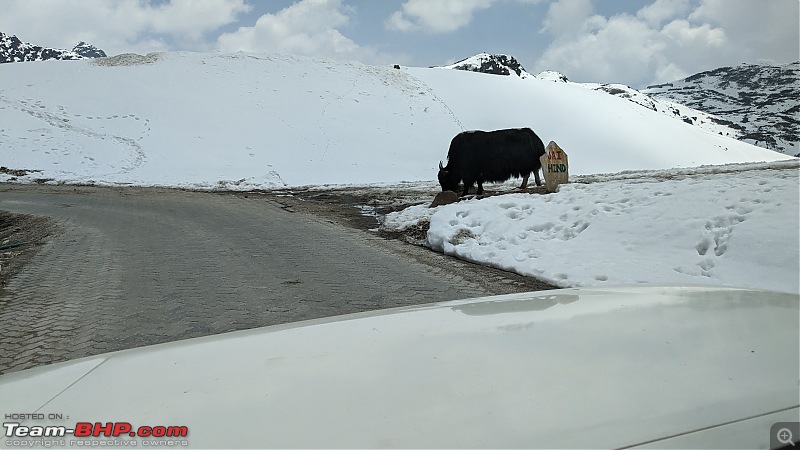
(137, 266)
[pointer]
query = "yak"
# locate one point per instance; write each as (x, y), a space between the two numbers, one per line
(493, 156)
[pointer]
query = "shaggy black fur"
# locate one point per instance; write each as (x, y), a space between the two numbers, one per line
(491, 156)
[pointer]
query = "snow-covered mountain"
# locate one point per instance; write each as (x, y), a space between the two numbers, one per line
(760, 103)
(250, 120)
(488, 63)
(675, 110)
(88, 50)
(12, 49)
(704, 120)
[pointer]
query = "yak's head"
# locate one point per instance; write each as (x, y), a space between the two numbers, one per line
(447, 179)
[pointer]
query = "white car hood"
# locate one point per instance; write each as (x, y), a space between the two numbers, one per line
(583, 368)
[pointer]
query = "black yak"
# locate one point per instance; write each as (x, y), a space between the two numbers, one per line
(491, 156)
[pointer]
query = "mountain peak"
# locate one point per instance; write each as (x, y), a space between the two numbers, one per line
(12, 49)
(552, 75)
(88, 50)
(496, 64)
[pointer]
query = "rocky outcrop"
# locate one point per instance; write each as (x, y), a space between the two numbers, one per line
(760, 102)
(12, 49)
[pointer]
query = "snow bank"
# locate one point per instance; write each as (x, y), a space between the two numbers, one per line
(719, 228)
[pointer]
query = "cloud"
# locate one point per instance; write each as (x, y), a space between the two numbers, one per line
(567, 16)
(193, 18)
(118, 26)
(759, 31)
(662, 10)
(595, 53)
(309, 28)
(435, 16)
(667, 39)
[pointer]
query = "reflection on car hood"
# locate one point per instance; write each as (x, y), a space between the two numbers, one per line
(608, 367)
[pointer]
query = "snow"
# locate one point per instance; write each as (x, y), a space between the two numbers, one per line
(220, 120)
(705, 121)
(263, 121)
(739, 230)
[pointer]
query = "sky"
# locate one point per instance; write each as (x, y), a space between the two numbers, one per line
(634, 42)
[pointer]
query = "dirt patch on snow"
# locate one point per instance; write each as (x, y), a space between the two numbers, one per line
(16, 172)
(127, 59)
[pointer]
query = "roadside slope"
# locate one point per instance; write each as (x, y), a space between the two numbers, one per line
(245, 121)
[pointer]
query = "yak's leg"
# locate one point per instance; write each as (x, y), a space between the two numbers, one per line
(536, 175)
(525, 181)
(467, 185)
(480, 186)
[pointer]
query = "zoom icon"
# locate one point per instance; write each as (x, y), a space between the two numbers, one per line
(785, 435)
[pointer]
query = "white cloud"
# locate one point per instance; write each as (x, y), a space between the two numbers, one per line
(435, 16)
(662, 10)
(667, 39)
(683, 34)
(118, 26)
(620, 49)
(309, 28)
(398, 22)
(192, 18)
(758, 30)
(566, 17)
